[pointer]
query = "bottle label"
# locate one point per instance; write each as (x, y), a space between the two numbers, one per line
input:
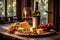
(35, 22)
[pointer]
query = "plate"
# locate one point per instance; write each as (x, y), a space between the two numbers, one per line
(36, 35)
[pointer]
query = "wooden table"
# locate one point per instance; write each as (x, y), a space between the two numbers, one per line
(8, 36)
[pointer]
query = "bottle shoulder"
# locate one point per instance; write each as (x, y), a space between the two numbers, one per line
(36, 14)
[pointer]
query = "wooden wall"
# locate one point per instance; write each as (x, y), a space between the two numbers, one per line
(56, 13)
(51, 11)
(18, 9)
(59, 15)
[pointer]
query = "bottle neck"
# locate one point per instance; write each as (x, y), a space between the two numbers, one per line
(36, 7)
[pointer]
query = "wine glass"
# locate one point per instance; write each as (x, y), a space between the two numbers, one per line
(27, 14)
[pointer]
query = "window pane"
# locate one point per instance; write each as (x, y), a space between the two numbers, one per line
(2, 8)
(11, 8)
(43, 8)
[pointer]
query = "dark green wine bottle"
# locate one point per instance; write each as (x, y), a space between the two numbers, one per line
(36, 16)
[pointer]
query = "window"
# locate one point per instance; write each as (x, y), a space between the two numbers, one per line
(10, 5)
(2, 8)
(11, 8)
(43, 8)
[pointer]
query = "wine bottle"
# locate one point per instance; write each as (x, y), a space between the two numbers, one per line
(36, 16)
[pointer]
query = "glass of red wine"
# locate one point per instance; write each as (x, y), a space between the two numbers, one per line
(27, 14)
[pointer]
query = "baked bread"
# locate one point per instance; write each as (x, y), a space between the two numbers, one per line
(25, 25)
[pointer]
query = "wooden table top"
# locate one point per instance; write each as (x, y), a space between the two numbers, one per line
(55, 37)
